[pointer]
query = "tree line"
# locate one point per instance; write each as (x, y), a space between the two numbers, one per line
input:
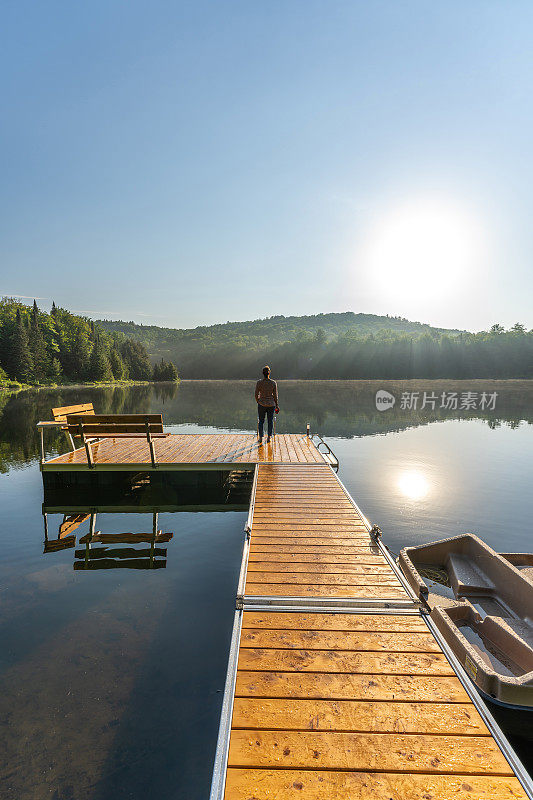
(60, 347)
(387, 353)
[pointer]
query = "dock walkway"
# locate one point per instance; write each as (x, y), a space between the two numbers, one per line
(338, 688)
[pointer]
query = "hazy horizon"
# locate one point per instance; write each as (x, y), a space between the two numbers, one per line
(183, 165)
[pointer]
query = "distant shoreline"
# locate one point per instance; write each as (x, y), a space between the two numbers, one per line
(13, 386)
(380, 381)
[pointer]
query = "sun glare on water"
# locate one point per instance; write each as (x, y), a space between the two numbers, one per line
(413, 485)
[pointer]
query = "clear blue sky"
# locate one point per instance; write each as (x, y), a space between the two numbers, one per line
(189, 163)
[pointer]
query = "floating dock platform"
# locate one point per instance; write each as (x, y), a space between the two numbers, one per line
(188, 451)
(339, 686)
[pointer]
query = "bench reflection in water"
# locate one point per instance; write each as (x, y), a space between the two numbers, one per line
(97, 553)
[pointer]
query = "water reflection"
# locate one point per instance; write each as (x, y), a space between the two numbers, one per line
(103, 556)
(77, 493)
(413, 484)
(116, 657)
(333, 408)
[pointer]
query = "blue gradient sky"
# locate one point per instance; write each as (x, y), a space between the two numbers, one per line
(189, 163)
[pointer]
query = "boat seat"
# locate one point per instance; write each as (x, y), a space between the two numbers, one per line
(466, 577)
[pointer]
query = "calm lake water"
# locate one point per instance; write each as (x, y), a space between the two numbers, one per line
(112, 678)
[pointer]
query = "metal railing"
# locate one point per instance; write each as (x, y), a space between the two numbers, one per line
(329, 455)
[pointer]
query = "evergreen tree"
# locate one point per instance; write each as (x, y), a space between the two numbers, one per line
(21, 366)
(117, 365)
(136, 359)
(41, 362)
(165, 371)
(55, 371)
(99, 367)
(79, 355)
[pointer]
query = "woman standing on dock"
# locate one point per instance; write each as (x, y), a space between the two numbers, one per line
(266, 396)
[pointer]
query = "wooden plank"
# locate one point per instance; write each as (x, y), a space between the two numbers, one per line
(358, 641)
(71, 523)
(301, 590)
(107, 429)
(116, 418)
(296, 531)
(278, 508)
(59, 414)
(282, 442)
(53, 545)
(315, 487)
(335, 568)
(370, 751)
(328, 578)
(360, 556)
(314, 550)
(309, 476)
(126, 538)
(318, 516)
(301, 468)
(271, 660)
(126, 552)
(315, 541)
(302, 500)
(111, 563)
(332, 622)
(283, 784)
(295, 501)
(357, 716)
(310, 527)
(351, 686)
(301, 454)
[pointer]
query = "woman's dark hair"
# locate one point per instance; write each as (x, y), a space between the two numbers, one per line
(266, 371)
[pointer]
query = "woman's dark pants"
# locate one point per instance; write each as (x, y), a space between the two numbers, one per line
(269, 411)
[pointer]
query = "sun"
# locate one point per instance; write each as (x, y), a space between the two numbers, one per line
(422, 247)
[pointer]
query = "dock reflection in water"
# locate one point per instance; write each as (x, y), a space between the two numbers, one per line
(105, 557)
(141, 493)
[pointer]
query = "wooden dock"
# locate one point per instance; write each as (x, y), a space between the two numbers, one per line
(189, 451)
(308, 540)
(339, 686)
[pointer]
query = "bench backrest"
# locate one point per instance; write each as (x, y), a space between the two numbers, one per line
(109, 424)
(60, 414)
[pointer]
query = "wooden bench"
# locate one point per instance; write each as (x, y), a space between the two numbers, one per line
(60, 419)
(100, 426)
(60, 414)
(131, 426)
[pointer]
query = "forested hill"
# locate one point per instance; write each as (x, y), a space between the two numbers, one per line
(338, 346)
(271, 330)
(234, 349)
